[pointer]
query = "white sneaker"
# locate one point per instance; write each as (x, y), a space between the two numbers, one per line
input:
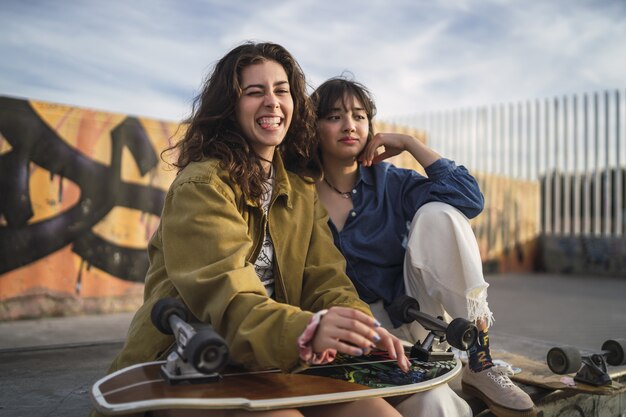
(494, 387)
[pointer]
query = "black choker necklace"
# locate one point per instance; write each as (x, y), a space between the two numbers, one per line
(344, 195)
(263, 159)
(268, 161)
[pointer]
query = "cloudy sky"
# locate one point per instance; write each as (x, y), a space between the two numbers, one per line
(149, 58)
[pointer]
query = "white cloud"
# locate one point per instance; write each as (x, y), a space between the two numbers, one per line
(150, 57)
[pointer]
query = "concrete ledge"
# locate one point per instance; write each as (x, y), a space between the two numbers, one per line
(584, 255)
(45, 303)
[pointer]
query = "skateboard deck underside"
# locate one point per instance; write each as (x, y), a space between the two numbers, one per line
(142, 388)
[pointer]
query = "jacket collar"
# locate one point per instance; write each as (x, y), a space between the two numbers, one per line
(282, 185)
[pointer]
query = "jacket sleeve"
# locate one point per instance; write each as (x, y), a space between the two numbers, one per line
(325, 281)
(205, 247)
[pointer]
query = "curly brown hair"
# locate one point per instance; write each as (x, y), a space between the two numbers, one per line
(212, 129)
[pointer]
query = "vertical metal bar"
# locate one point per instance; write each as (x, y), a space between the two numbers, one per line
(521, 149)
(596, 178)
(548, 186)
(495, 138)
(525, 226)
(577, 182)
(497, 135)
(441, 133)
(529, 142)
(540, 225)
(504, 145)
(523, 139)
(567, 172)
(490, 140)
(455, 140)
(465, 135)
(449, 132)
(436, 132)
(439, 130)
(557, 168)
(607, 169)
(488, 143)
(482, 142)
(512, 141)
(449, 123)
(437, 135)
(461, 137)
(518, 153)
(587, 170)
(450, 137)
(619, 202)
(429, 129)
(506, 135)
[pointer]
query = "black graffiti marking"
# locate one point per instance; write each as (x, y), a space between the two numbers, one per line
(101, 189)
(118, 261)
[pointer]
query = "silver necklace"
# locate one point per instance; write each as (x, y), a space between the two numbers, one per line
(347, 194)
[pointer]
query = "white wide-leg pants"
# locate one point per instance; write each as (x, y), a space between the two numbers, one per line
(443, 272)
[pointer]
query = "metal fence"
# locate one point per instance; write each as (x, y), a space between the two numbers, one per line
(573, 146)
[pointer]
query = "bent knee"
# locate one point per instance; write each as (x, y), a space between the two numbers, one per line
(436, 216)
(437, 209)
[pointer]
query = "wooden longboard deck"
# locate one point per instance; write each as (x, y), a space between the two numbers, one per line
(141, 387)
(538, 374)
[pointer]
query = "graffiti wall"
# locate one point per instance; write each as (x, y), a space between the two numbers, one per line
(80, 195)
(81, 192)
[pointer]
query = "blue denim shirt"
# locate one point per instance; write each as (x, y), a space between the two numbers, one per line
(385, 199)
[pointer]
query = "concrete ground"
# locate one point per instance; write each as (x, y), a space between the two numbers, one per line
(47, 366)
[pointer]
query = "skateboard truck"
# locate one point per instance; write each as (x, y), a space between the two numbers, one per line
(459, 333)
(567, 359)
(199, 353)
(593, 371)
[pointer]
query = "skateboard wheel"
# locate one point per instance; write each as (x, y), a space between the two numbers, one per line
(615, 349)
(400, 308)
(207, 351)
(564, 360)
(162, 311)
(461, 333)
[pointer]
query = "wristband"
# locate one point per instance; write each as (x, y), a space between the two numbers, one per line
(305, 349)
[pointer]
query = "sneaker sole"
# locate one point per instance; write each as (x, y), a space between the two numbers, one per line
(497, 409)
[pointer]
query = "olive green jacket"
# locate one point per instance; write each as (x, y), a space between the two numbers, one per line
(203, 253)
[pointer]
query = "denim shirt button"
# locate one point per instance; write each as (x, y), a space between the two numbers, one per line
(353, 213)
(354, 191)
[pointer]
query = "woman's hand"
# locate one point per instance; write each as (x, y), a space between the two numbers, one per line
(353, 332)
(394, 348)
(394, 144)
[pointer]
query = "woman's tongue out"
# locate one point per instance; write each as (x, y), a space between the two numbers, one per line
(269, 122)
